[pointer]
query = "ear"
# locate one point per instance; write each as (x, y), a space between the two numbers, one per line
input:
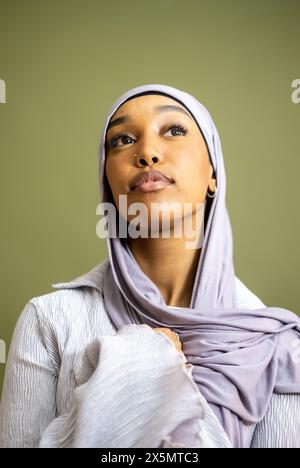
(212, 175)
(212, 181)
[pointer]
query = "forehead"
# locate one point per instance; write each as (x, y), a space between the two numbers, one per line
(147, 105)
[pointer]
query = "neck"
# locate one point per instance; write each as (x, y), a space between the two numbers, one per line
(170, 265)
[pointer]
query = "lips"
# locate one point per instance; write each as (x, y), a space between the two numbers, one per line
(148, 177)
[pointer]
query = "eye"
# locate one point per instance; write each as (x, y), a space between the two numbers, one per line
(179, 127)
(123, 136)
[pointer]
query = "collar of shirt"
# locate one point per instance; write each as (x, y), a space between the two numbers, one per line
(93, 278)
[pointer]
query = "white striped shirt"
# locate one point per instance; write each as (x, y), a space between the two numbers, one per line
(72, 380)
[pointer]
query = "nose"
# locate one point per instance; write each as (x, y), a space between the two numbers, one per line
(146, 160)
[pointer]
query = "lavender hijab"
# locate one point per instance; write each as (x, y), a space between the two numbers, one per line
(239, 356)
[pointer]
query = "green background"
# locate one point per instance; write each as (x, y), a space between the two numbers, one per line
(65, 63)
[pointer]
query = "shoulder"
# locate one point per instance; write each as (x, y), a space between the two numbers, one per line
(64, 307)
(75, 305)
(73, 297)
(246, 298)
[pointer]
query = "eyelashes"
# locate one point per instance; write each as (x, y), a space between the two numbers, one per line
(176, 125)
(179, 126)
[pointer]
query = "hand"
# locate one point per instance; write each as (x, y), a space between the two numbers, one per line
(171, 335)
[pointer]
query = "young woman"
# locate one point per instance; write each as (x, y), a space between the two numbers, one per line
(160, 345)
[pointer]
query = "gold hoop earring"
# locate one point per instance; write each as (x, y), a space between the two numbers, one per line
(214, 194)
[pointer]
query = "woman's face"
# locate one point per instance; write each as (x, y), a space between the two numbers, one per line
(163, 138)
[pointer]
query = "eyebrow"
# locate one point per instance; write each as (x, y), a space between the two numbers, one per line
(157, 109)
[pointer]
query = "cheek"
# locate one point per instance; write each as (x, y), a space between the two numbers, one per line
(115, 176)
(193, 179)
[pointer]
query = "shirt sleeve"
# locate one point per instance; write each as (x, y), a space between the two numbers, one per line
(135, 388)
(28, 398)
(280, 427)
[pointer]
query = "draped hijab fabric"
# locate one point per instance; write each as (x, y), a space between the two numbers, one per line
(239, 356)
